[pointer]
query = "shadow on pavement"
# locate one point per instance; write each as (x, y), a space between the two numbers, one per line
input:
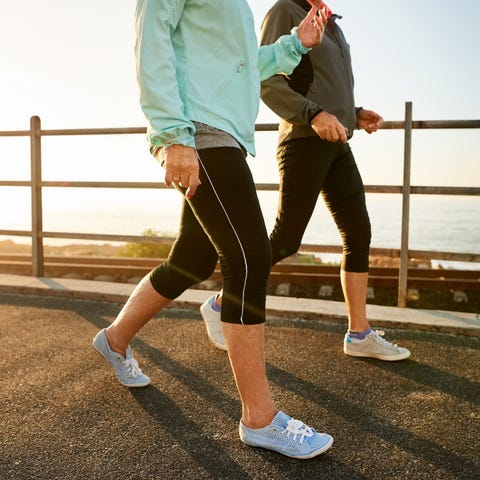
(64, 415)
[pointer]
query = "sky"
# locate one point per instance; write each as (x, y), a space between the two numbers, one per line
(72, 64)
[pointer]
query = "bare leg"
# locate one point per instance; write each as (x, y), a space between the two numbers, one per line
(142, 305)
(354, 287)
(245, 345)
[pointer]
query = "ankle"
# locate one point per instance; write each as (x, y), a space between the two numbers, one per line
(359, 335)
(259, 420)
(114, 344)
(359, 326)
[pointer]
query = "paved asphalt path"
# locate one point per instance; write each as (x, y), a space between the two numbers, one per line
(64, 416)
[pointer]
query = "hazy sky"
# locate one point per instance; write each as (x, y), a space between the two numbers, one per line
(71, 63)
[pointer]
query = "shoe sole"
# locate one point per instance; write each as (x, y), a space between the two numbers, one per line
(387, 358)
(137, 385)
(218, 345)
(298, 457)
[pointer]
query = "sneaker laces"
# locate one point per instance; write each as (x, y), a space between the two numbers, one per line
(297, 428)
(132, 367)
(379, 338)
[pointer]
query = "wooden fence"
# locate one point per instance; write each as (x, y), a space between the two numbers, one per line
(36, 184)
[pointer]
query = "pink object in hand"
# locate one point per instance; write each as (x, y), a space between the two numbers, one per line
(323, 5)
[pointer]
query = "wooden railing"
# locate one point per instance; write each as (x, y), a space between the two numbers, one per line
(36, 184)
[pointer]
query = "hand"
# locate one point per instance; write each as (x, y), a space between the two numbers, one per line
(369, 121)
(310, 31)
(327, 127)
(181, 168)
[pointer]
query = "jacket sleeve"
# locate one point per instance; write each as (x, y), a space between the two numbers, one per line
(160, 100)
(276, 92)
(280, 56)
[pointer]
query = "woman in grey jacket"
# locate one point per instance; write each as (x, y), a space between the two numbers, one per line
(318, 115)
(199, 89)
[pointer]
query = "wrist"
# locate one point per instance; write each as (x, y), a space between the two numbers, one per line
(178, 146)
(297, 42)
(314, 114)
(357, 111)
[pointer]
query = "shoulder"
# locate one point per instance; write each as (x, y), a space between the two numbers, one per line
(285, 7)
(284, 13)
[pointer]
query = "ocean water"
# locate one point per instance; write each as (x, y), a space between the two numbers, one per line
(439, 223)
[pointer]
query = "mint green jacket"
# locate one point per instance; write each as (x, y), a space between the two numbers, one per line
(199, 60)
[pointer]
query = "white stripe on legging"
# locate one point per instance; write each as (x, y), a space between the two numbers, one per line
(236, 235)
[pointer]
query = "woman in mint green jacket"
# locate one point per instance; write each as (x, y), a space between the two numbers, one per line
(200, 61)
(199, 70)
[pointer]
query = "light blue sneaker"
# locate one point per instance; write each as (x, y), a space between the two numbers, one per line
(287, 436)
(127, 369)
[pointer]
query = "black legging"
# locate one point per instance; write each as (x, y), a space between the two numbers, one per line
(308, 167)
(222, 221)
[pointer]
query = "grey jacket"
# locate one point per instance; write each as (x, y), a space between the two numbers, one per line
(322, 81)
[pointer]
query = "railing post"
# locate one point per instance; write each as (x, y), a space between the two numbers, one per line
(407, 157)
(36, 192)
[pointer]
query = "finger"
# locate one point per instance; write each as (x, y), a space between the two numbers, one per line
(192, 187)
(181, 179)
(172, 176)
(323, 16)
(319, 24)
(190, 192)
(312, 12)
(168, 178)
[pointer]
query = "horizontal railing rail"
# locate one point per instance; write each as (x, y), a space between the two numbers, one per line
(259, 127)
(36, 184)
(416, 190)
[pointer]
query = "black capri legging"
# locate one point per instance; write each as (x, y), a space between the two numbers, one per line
(308, 167)
(222, 221)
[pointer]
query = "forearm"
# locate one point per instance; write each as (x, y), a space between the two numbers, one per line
(277, 94)
(280, 57)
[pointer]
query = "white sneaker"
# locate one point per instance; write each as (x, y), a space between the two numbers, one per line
(374, 346)
(213, 323)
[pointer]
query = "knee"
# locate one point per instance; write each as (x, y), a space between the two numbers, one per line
(259, 269)
(356, 249)
(363, 233)
(171, 279)
(259, 261)
(283, 248)
(204, 271)
(253, 262)
(357, 233)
